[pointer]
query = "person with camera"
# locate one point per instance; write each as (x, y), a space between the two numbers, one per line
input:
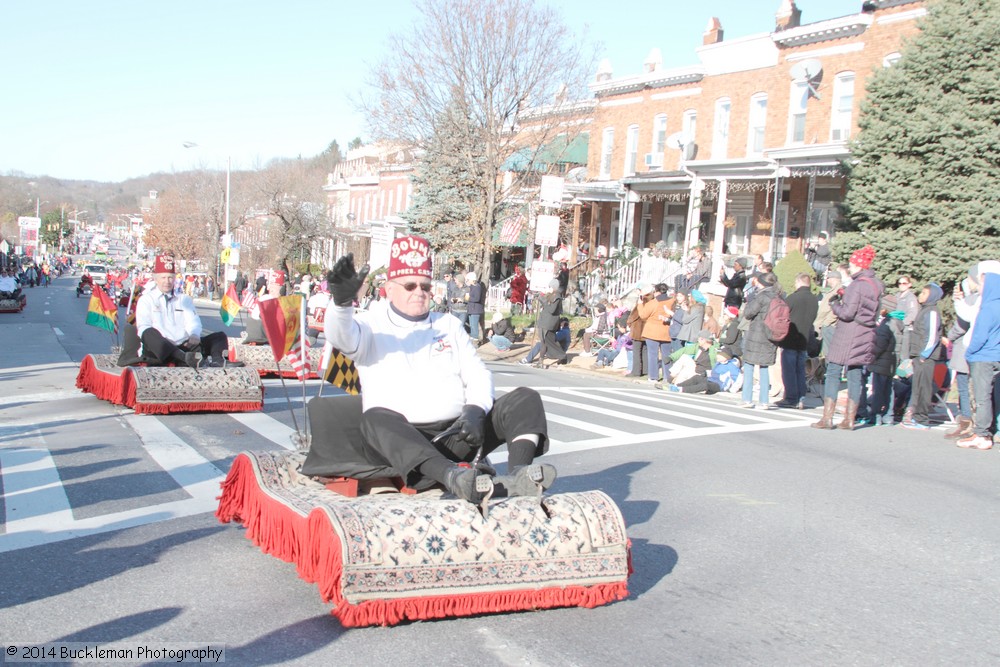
(856, 308)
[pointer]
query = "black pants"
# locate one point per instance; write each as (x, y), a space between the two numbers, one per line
(699, 384)
(158, 350)
(381, 443)
(638, 358)
(922, 395)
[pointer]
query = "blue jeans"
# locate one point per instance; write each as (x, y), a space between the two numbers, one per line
(964, 406)
(501, 343)
(983, 374)
(658, 356)
(474, 325)
(764, 381)
(881, 395)
(793, 374)
(831, 386)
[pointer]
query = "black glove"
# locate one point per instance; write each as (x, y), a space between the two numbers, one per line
(344, 281)
(472, 424)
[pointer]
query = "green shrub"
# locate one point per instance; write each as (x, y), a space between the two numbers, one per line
(790, 266)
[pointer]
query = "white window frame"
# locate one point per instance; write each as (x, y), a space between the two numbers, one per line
(720, 128)
(631, 150)
(891, 59)
(798, 108)
(659, 133)
(842, 113)
(689, 128)
(607, 151)
(757, 125)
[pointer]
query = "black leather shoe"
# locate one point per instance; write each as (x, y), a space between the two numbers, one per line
(462, 483)
(191, 359)
(234, 364)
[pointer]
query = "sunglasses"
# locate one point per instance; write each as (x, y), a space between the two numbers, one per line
(409, 287)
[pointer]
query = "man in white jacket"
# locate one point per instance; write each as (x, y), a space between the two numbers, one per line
(428, 401)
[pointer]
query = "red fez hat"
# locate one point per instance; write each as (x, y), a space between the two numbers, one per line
(163, 264)
(409, 256)
(863, 257)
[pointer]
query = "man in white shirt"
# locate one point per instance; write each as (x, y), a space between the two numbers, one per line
(169, 326)
(428, 400)
(9, 287)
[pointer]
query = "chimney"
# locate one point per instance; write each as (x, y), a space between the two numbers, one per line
(713, 33)
(654, 61)
(788, 16)
(604, 71)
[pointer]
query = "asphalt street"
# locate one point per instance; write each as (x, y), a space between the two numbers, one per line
(755, 539)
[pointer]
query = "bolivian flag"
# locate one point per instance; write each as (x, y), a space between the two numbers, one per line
(230, 307)
(102, 312)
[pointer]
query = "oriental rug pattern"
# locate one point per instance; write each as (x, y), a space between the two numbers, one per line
(386, 558)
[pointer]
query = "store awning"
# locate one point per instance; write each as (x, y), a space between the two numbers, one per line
(561, 150)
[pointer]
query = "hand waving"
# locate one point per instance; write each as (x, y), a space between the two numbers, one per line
(345, 281)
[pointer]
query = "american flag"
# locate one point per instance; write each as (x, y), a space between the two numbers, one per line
(249, 299)
(298, 361)
(511, 229)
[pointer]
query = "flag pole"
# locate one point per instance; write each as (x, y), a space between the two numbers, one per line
(305, 367)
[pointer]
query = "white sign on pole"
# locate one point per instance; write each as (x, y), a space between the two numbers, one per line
(542, 273)
(547, 230)
(26, 222)
(551, 191)
(234, 257)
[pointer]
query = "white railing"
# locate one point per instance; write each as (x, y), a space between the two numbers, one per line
(496, 296)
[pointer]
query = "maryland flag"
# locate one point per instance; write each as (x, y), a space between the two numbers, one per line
(102, 312)
(230, 306)
(282, 320)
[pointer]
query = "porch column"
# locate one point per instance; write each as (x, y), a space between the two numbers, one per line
(575, 242)
(694, 214)
(720, 228)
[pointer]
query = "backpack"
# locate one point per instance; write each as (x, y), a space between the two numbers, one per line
(776, 321)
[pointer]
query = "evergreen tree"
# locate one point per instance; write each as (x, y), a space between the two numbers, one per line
(923, 186)
(447, 191)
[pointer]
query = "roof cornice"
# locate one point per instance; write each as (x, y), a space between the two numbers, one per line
(654, 79)
(845, 26)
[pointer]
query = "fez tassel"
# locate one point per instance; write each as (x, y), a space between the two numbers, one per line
(311, 543)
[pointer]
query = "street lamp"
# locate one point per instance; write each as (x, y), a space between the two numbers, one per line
(229, 167)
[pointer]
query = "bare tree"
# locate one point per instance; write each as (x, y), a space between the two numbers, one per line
(467, 70)
(290, 192)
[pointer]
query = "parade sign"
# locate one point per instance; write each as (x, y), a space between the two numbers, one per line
(542, 273)
(547, 230)
(25, 222)
(551, 191)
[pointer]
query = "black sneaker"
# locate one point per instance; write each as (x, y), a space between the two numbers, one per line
(191, 359)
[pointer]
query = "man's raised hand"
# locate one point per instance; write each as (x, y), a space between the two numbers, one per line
(345, 281)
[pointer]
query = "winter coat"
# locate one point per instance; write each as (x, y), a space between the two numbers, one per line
(655, 318)
(802, 309)
(731, 339)
(693, 320)
(518, 288)
(984, 345)
(925, 342)
(757, 347)
(477, 299)
(956, 334)
(549, 312)
(885, 349)
(734, 291)
(857, 311)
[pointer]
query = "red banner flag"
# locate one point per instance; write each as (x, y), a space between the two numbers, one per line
(281, 319)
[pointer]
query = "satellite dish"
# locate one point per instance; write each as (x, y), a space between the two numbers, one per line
(690, 150)
(677, 141)
(810, 71)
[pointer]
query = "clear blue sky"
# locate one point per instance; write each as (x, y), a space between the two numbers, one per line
(111, 89)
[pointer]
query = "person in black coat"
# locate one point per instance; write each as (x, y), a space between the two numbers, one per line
(734, 284)
(548, 323)
(802, 308)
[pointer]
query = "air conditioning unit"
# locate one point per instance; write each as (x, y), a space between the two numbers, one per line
(654, 159)
(840, 134)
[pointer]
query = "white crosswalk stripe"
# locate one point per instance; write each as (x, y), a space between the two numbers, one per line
(37, 509)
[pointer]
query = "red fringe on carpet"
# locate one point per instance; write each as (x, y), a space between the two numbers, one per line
(313, 546)
(105, 386)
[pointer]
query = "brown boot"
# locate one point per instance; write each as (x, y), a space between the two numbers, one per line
(849, 414)
(826, 421)
(964, 424)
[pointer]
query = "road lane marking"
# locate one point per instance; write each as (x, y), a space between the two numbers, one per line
(49, 522)
(33, 491)
(266, 426)
(58, 331)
